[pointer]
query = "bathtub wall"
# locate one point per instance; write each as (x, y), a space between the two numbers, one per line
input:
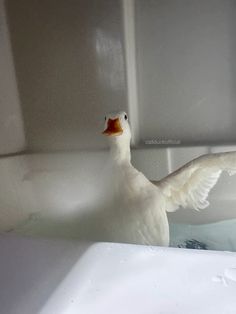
(169, 64)
(59, 185)
(186, 70)
(70, 68)
(12, 137)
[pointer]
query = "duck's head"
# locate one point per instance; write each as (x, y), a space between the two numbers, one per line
(117, 129)
(117, 125)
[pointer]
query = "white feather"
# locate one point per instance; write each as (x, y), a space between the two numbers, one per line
(190, 185)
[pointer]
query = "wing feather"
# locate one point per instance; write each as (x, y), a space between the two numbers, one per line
(190, 185)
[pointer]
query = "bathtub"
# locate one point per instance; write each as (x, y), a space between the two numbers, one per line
(46, 268)
(66, 276)
(51, 99)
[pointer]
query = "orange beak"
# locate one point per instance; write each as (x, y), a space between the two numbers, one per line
(113, 128)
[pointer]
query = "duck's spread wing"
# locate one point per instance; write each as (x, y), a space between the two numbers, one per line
(190, 185)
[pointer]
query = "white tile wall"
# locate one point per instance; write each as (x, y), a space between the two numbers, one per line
(12, 137)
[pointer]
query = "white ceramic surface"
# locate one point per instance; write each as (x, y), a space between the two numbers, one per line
(113, 278)
(59, 277)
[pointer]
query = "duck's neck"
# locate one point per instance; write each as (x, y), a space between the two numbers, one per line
(120, 150)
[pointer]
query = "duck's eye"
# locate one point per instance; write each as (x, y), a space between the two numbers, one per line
(126, 117)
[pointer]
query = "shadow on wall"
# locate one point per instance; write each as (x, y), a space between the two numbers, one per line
(69, 60)
(47, 262)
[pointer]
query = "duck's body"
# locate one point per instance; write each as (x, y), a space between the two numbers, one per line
(137, 208)
(136, 213)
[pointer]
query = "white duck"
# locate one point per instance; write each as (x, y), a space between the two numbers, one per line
(137, 213)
